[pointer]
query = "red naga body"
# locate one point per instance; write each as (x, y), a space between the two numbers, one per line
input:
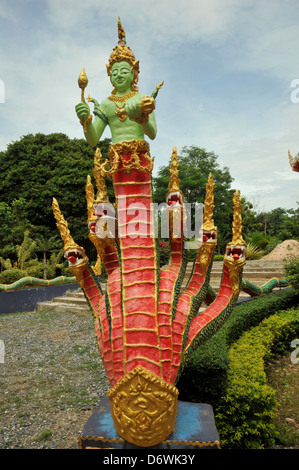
(146, 325)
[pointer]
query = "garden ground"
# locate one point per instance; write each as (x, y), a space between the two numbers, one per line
(52, 378)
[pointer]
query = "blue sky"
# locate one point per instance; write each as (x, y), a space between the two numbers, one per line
(227, 67)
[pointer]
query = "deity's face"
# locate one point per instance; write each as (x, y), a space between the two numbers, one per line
(122, 76)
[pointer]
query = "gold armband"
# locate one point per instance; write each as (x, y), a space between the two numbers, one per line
(144, 118)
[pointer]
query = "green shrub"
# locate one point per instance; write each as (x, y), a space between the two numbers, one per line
(204, 378)
(259, 239)
(192, 255)
(272, 244)
(218, 258)
(66, 272)
(34, 268)
(164, 252)
(291, 270)
(12, 275)
(245, 415)
(254, 252)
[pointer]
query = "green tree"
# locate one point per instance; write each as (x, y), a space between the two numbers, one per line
(14, 222)
(195, 164)
(249, 218)
(39, 167)
(280, 223)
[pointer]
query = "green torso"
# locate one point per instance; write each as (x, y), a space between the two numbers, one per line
(121, 130)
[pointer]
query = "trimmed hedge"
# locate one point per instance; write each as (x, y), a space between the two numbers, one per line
(245, 416)
(204, 378)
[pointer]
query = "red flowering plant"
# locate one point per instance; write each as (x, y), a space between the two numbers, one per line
(164, 252)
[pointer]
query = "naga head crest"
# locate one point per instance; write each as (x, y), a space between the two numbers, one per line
(72, 251)
(102, 195)
(208, 222)
(174, 194)
(237, 222)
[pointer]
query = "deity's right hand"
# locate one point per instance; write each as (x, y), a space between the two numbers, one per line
(83, 111)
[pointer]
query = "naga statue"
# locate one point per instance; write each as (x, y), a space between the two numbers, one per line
(146, 324)
(294, 161)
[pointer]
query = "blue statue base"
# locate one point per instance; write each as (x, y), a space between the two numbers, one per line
(194, 429)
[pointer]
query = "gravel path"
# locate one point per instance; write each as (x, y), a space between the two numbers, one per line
(51, 379)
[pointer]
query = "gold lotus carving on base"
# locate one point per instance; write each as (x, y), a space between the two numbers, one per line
(143, 407)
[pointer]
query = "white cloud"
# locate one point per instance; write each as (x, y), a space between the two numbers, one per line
(227, 66)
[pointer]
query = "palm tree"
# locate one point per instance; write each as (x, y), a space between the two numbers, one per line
(45, 245)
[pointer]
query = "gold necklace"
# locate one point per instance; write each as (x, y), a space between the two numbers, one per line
(121, 112)
(122, 99)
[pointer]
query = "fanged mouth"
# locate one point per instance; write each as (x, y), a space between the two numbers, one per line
(174, 199)
(104, 210)
(92, 226)
(74, 257)
(236, 252)
(209, 236)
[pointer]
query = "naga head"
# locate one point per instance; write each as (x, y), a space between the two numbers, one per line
(174, 196)
(74, 253)
(208, 233)
(101, 213)
(235, 252)
(294, 161)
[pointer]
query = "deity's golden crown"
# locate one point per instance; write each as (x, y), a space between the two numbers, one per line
(123, 52)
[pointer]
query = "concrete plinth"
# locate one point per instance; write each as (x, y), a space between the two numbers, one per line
(194, 429)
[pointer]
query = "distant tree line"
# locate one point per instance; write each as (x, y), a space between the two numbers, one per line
(39, 167)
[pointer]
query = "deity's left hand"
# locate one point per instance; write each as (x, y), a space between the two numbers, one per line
(133, 109)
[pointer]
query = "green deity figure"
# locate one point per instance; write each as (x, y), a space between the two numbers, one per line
(129, 114)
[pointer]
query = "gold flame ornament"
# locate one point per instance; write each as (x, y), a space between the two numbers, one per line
(209, 206)
(83, 82)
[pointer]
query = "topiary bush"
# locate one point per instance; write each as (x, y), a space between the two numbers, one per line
(204, 378)
(245, 415)
(12, 275)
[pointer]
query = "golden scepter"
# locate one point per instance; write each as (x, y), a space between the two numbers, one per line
(82, 82)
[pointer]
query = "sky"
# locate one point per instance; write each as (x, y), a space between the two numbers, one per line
(230, 71)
